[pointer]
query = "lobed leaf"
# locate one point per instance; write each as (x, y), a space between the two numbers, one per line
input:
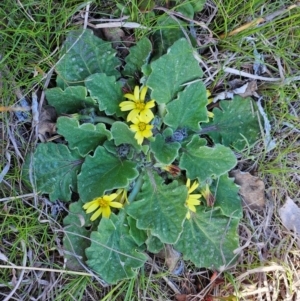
(103, 171)
(138, 56)
(227, 196)
(113, 252)
(69, 101)
(85, 54)
(85, 138)
(209, 239)
(160, 208)
(75, 236)
(164, 152)
(205, 162)
(188, 109)
(173, 69)
(122, 134)
(55, 170)
(107, 91)
(233, 122)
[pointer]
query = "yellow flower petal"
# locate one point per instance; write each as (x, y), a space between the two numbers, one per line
(111, 197)
(188, 183)
(115, 205)
(143, 93)
(210, 114)
(146, 115)
(191, 202)
(150, 104)
(134, 127)
(96, 214)
(147, 133)
(192, 208)
(127, 105)
(92, 207)
(132, 115)
(106, 212)
(194, 186)
(130, 96)
(136, 92)
(139, 137)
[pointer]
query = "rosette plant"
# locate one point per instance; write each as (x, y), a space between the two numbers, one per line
(139, 160)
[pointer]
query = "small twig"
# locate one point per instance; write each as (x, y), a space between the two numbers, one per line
(6, 167)
(12, 198)
(171, 12)
(118, 24)
(86, 16)
(26, 12)
(249, 75)
(260, 20)
(46, 270)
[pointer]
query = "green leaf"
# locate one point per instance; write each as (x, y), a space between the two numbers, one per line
(103, 171)
(85, 137)
(76, 215)
(205, 162)
(173, 69)
(75, 236)
(160, 208)
(189, 108)
(186, 9)
(234, 120)
(164, 152)
(198, 5)
(138, 56)
(209, 239)
(112, 253)
(123, 135)
(227, 197)
(55, 170)
(168, 33)
(85, 54)
(138, 235)
(72, 100)
(107, 91)
(154, 245)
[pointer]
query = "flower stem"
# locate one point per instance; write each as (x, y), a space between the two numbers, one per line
(137, 187)
(104, 120)
(96, 119)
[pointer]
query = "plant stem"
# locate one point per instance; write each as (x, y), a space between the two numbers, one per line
(136, 188)
(97, 119)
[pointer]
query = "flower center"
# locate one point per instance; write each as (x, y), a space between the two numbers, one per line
(140, 105)
(103, 203)
(142, 126)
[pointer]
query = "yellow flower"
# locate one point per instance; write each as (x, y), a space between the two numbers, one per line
(137, 105)
(192, 199)
(104, 202)
(142, 128)
(122, 196)
(172, 169)
(209, 100)
(209, 197)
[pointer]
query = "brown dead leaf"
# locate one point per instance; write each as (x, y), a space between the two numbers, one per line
(249, 89)
(290, 216)
(252, 189)
(170, 256)
(47, 123)
(114, 35)
(181, 297)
